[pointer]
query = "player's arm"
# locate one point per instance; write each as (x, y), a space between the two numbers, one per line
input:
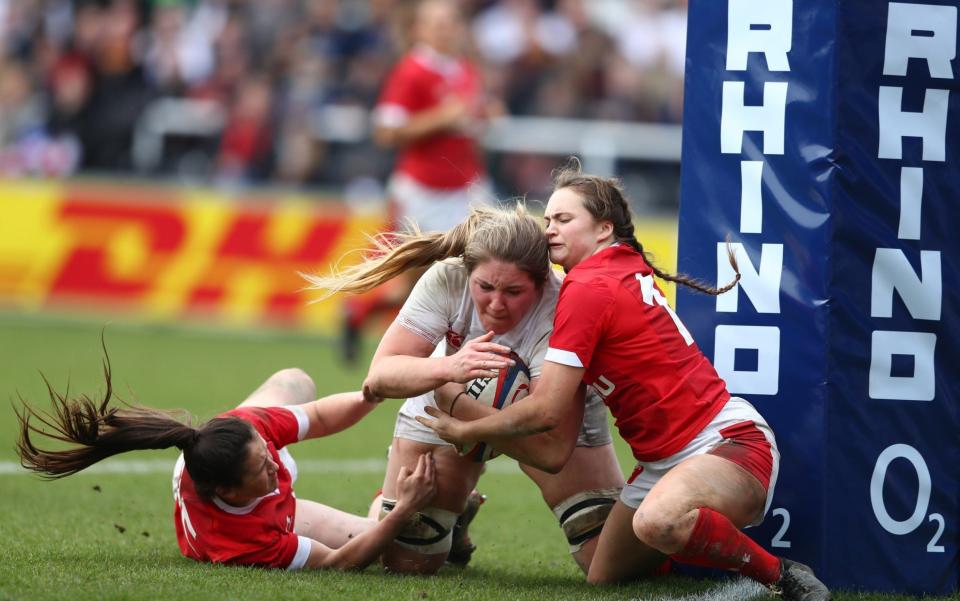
(549, 408)
(547, 451)
(335, 413)
(414, 490)
(452, 113)
(402, 366)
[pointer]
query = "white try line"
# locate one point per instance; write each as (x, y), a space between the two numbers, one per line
(304, 466)
(739, 589)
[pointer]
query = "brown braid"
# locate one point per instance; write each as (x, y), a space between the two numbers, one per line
(605, 200)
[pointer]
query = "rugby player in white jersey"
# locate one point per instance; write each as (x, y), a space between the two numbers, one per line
(489, 291)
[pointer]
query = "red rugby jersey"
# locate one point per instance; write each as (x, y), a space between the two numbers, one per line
(421, 81)
(613, 320)
(260, 534)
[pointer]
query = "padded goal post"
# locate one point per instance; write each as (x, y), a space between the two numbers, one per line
(823, 137)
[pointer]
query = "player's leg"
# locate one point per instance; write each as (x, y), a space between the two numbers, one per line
(422, 548)
(327, 525)
(726, 470)
(461, 545)
(695, 512)
(581, 496)
(286, 387)
(667, 517)
(620, 556)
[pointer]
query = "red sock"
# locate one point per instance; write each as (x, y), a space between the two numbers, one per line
(664, 568)
(716, 543)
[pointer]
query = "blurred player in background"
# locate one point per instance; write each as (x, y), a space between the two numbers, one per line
(233, 482)
(431, 110)
(707, 461)
(489, 290)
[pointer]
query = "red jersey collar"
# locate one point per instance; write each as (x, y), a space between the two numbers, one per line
(605, 254)
(429, 58)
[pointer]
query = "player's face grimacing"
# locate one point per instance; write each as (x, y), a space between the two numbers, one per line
(572, 232)
(260, 471)
(503, 294)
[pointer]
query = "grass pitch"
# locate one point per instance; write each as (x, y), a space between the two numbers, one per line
(107, 533)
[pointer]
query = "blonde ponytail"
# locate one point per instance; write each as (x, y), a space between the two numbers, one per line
(395, 253)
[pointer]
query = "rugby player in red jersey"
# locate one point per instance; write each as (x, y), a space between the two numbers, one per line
(233, 483)
(431, 110)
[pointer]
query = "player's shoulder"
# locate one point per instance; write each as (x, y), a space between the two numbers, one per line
(609, 266)
(588, 289)
(441, 285)
(254, 414)
(411, 64)
(269, 421)
(451, 272)
(469, 67)
(588, 274)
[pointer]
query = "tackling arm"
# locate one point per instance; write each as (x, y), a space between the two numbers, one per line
(547, 451)
(402, 366)
(547, 409)
(415, 489)
(360, 551)
(335, 413)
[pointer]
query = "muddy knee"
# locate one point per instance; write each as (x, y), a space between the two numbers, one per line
(660, 530)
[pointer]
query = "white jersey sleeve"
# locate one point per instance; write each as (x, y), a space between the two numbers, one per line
(431, 305)
(536, 339)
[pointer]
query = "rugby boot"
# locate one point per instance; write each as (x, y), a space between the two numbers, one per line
(798, 583)
(461, 547)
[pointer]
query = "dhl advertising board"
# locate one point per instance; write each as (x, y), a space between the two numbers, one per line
(167, 253)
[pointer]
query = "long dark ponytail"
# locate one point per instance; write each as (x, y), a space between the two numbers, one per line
(214, 453)
(605, 200)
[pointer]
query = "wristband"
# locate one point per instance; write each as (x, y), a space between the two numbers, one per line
(454, 402)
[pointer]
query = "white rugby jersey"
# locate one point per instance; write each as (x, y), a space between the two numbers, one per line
(441, 310)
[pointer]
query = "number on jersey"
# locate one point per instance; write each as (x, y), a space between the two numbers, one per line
(650, 295)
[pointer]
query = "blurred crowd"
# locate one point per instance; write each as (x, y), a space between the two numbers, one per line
(78, 77)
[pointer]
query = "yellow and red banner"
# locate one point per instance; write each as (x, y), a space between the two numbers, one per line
(178, 253)
(170, 253)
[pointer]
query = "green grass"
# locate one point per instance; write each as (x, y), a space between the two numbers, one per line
(109, 536)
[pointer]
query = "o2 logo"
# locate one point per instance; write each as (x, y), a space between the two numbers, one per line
(888, 522)
(901, 527)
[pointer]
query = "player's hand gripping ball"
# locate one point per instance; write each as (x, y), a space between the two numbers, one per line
(510, 385)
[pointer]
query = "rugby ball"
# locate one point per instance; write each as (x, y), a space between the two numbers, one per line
(509, 386)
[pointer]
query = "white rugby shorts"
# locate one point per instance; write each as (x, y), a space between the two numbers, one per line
(434, 209)
(736, 412)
